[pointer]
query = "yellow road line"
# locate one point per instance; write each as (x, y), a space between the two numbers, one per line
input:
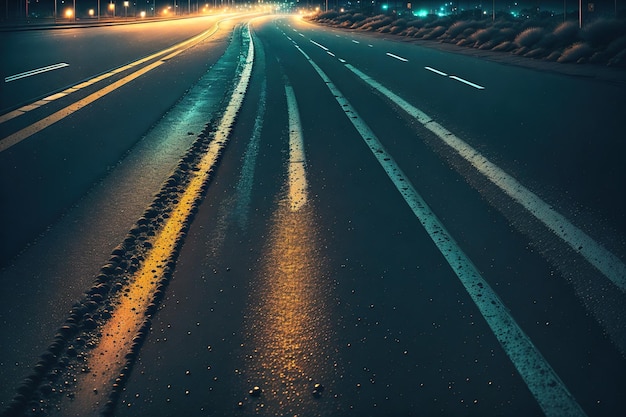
(28, 131)
(180, 47)
(107, 359)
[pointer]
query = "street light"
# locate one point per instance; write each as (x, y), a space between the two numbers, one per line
(112, 8)
(125, 9)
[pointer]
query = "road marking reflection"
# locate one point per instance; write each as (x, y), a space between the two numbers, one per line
(545, 385)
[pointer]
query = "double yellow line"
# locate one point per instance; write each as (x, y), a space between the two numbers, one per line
(30, 130)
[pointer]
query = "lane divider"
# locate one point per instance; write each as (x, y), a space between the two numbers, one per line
(399, 58)
(35, 72)
(47, 121)
(180, 46)
(545, 385)
(454, 77)
(479, 87)
(297, 160)
(106, 359)
(604, 261)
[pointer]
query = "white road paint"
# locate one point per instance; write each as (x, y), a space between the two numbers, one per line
(35, 72)
(479, 87)
(399, 58)
(318, 44)
(454, 77)
(603, 260)
(330, 53)
(297, 161)
(436, 71)
(354, 41)
(545, 385)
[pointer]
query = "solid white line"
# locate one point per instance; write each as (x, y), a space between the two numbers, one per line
(436, 71)
(318, 44)
(355, 41)
(480, 87)
(603, 260)
(330, 53)
(35, 72)
(550, 392)
(399, 58)
(297, 161)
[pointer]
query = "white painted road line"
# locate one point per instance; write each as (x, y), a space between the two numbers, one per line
(480, 87)
(399, 58)
(603, 260)
(318, 44)
(454, 77)
(355, 41)
(436, 71)
(297, 161)
(330, 53)
(545, 385)
(35, 72)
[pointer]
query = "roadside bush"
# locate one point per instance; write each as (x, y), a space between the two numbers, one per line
(377, 22)
(529, 37)
(602, 41)
(459, 29)
(567, 32)
(578, 52)
(435, 32)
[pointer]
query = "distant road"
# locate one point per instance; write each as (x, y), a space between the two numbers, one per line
(364, 227)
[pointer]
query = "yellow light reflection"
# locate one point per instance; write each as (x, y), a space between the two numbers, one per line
(290, 331)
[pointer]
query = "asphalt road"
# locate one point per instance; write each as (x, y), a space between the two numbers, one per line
(418, 232)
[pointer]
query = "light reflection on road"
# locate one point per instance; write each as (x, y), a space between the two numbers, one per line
(288, 332)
